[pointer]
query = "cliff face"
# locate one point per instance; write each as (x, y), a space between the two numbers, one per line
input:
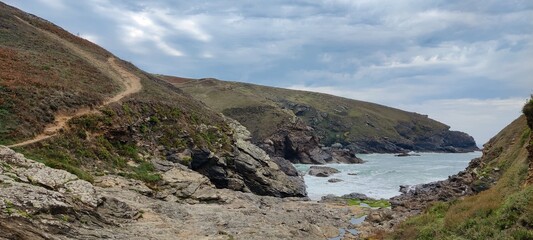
(360, 127)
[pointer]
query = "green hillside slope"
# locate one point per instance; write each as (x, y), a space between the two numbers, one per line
(362, 126)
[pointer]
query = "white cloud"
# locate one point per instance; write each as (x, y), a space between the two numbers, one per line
(167, 49)
(152, 25)
(55, 4)
(91, 37)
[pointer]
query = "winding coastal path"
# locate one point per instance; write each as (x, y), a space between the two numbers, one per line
(132, 84)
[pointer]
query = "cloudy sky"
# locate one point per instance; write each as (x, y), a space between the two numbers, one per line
(467, 63)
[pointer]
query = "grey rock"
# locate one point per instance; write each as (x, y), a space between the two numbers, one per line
(322, 171)
(334, 180)
(32, 199)
(355, 195)
(336, 145)
(113, 181)
(239, 131)
(319, 156)
(286, 166)
(84, 191)
(49, 177)
(379, 216)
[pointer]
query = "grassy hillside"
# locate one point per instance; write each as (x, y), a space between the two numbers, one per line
(39, 77)
(504, 211)
(45, 71)
(363, 126)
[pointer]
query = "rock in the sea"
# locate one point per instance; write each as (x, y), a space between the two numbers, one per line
(343, 156)
(322, 171)
(335, 180)
(405, 154)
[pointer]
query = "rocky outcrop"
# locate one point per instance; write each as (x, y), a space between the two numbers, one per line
(183, 205)
(248, 168)
(34, 187)
(299, 144)
(416, 198)
(322, 171)
(439, 141)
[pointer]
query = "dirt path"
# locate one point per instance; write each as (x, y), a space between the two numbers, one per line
(132, 84)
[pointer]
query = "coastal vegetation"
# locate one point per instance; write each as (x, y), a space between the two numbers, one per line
(504, 210)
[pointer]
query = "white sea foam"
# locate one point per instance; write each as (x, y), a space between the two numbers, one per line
(382, 174)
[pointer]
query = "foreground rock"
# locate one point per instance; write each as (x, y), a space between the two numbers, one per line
(322, 171)
(184, 205)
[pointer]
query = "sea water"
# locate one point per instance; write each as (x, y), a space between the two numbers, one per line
(382, 174)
